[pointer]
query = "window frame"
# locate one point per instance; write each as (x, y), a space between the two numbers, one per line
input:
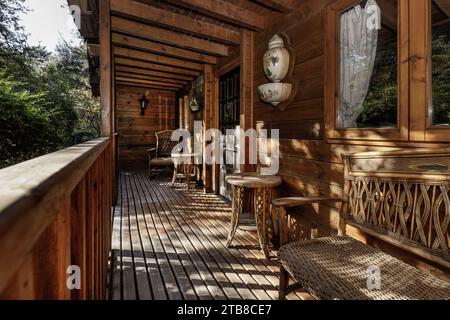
(422, 127)
(332, 79)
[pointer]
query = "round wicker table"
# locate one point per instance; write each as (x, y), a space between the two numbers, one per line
(262, 187)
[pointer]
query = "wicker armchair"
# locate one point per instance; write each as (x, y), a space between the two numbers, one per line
(160, 156)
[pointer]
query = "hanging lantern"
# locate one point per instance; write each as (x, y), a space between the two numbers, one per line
(194, 105)
(197, 100)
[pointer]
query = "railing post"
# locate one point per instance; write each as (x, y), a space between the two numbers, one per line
(52, 258)
(78, 232)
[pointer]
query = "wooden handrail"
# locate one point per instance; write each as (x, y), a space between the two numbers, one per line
(38, 195)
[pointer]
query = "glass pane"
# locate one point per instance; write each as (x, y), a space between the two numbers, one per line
(440, 18)
(368, 65)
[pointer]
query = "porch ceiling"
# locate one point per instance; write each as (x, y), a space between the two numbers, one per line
(166, 43)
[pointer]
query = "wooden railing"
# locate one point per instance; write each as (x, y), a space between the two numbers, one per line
(55, 220)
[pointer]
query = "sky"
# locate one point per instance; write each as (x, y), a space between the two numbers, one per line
(47, 22)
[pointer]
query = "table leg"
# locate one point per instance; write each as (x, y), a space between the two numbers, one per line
(187, 174)
(175, 174)
(238, 197)
(262, 198)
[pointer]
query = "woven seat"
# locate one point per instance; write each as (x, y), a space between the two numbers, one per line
(337, 268)
(164, 161)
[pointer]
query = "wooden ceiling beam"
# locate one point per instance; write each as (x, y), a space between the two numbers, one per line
(177, 39)
(444, 5)
(159, 48)
(154, 58)
(93, 49)
(151, 78)
(150, 14)
(147, 82)
(225, 11)
(389, 12)
(145, 72)
(155, 67)
(137, 85)
(284, 6)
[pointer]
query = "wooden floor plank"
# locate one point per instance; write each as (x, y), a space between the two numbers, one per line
(115, 290)
(222, 253)
(216, 262)
(129, 287)
(241, 259)
(244, 239)
(169, 243)
(160, 245)
(153, 270)
(204, 284)
(174, 253)
(218, 287)
(139, 262)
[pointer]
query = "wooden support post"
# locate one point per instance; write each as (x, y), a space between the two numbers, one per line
(215, 124)
(207, 124)
(181, 112)
(105, 68)
(247, 97)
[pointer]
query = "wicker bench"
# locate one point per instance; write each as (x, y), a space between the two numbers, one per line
(400, 197)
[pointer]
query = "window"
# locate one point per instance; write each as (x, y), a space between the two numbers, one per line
(366, 70)
(440, 63)
(368, 65)
(430, 60)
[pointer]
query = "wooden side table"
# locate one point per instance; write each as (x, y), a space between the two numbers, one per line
(186, 161)
(262, 187)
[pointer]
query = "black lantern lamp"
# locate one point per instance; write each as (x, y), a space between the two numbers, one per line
(143, 103)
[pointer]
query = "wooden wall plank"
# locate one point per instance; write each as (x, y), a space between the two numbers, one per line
(136, 132)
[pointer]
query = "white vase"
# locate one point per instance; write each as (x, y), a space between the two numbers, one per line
(276, 60)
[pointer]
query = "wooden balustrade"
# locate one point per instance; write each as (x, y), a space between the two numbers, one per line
(55, 213)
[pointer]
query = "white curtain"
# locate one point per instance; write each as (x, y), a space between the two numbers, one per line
(358, 47)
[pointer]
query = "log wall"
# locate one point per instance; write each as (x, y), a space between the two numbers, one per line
(136, 132)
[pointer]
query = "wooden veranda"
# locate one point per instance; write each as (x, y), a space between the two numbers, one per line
(169, 243)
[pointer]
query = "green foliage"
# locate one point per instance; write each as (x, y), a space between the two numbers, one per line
(380, 106)
(45, 99)
(441, 75)
(25, 128)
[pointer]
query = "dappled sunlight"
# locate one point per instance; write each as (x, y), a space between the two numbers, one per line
(170, 244)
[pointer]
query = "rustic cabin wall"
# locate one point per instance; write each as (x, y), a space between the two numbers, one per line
(309, 165)
(137, 132)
